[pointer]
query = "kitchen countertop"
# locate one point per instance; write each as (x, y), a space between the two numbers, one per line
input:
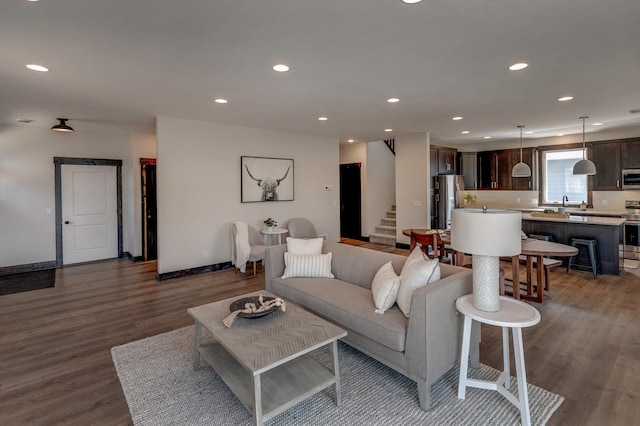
(578, 212)
(592, 220)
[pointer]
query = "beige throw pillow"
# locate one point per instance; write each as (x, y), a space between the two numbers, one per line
(385, 288)
(304, 246)
(307, 265)
(417, 272)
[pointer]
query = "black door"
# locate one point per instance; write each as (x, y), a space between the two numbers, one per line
(350, 207)
(149, 208)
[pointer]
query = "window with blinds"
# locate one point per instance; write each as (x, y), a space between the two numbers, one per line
(559, 180)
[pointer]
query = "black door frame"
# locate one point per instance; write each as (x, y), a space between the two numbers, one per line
(144, 207)
(58, 162)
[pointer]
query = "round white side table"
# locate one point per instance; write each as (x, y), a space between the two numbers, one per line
(514, 315)
(275, 231)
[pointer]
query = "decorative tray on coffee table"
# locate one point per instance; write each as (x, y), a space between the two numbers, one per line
(240, 304)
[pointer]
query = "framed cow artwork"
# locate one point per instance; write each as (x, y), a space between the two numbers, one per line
(266, 179)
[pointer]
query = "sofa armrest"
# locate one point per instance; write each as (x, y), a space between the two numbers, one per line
(273, 263)
(434, 334)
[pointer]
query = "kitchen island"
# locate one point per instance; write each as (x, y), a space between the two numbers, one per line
(607, 230)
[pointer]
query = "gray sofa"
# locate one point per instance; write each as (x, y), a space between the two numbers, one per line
(422, 347)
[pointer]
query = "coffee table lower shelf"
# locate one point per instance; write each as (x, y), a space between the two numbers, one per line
(281, 387)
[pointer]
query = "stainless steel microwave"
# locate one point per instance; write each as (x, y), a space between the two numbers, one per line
(631, 179)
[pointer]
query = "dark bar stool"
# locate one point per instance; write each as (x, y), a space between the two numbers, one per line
(594, 256)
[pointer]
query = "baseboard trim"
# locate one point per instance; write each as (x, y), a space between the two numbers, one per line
(193, 271)
(28, 267)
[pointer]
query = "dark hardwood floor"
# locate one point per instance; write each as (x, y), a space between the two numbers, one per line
(56, 368)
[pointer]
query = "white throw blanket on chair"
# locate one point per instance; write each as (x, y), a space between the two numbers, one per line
(243, 249)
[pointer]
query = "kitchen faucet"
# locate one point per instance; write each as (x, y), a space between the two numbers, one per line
(564, 198)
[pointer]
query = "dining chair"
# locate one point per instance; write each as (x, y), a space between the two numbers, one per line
(430, 240)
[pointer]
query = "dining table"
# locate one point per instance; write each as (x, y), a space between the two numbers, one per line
(533, 250)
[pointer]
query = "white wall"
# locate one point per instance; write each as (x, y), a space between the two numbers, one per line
(381, 183)
(27, 187)
(198, 170)
(357, 153)
(412, 183)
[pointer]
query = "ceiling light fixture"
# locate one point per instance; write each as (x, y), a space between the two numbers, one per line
(597, 124)
(322, 118)
(584, 166)
(62, 126)
(411, 1)
(465, 132)
(220, 101)
(457, 118)
(281, 68)
(350, 140)
(388, 130)
(393, 100)
(487, 137)
(24, 120)
(565, 98)
(518, 66)
(36, 67)
(521, 169)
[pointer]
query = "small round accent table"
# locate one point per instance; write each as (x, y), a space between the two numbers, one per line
(275, 231)
(514, 315)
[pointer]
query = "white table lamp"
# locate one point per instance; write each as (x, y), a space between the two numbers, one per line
(486, 234)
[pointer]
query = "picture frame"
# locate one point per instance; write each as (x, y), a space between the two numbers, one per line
(264, 179)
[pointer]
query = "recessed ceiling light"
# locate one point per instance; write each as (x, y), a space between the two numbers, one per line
(518, 66)
(529, 132)
(565, 98)
(487, 137)
(560, 134)
(411, 1)
(388, 130)
(36, 67)
(322, 118)
(220, 101)
(597, 124)
(393, 100)
(457, 118)
(281, 68)
(464, 132)
(350, 140)
(25, 120)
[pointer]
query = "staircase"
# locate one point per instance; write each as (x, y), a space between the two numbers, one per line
(386, 232)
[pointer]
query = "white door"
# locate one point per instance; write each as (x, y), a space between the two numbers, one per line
(89, 213)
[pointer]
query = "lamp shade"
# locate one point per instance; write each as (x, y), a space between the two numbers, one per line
(62, 126)
(491, 233)
(584, 167)
(521, 170)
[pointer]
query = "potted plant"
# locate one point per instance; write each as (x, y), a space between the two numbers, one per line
(469, 199)
(270, 223)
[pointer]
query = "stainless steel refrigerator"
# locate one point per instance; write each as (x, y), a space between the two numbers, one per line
(447, 197)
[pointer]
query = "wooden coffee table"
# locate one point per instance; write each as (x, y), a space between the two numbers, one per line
(265, 361)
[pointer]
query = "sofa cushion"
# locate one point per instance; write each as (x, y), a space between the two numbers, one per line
(307, 265)
(304, 246)
(347, 305)
(385, 288)
(417, 272)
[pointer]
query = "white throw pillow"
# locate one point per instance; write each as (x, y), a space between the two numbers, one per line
(304, 246)
(385, 288)
(307, 265)
(417, 272)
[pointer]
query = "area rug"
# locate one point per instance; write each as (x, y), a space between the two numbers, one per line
(27, 281)
(161, 388)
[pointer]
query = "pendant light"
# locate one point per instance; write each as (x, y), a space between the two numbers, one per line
(521, 169)
(62, 126)
(584, 166)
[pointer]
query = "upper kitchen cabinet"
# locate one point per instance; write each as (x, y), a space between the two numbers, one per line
(494, 169)
(631, 154)
(469, 169)
(529, 157)
(606, 156)
(446, 160)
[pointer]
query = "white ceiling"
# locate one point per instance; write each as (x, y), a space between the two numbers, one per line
(117, 64)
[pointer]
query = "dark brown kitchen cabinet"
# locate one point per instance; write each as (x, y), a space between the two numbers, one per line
(529, 157)
(446, 161)
(469, 169)
(631, 154)
(606, 157)
(494, 169)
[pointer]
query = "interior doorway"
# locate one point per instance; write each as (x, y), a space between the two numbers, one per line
(350, 201)
(149, 209)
